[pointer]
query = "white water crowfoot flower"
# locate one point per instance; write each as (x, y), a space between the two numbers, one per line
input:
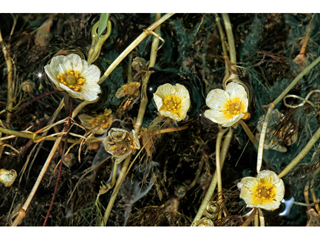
(229, 106)
(120, 143)
(264, 191)
(72, 74)
(172, 101)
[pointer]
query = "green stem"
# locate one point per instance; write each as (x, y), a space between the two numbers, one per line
(232, 49)
(249, 133)
(143, 105)
(115, 191)
(134, 44)
(272, 105)
(80, 106)
(144, 98)
(213, 183)
(299, 157)
(262, 137)
(294, 82)
(249, 219)
(218, 166)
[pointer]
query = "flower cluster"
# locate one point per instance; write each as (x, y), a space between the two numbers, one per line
(72, 74)
(264, 191)
(120, 143)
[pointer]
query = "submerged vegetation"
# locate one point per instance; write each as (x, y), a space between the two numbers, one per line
(159, 119)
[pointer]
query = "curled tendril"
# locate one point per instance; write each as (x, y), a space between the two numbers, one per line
(304, 100)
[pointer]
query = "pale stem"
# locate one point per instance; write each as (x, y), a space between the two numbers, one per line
(168, 130)
(262, 223)
(130, 68)
(213, 183)
(232, 49)
(262, 137)
(80, 106)
(10, 98)
(218, 166)
(300, 156)
(20, 217)
(313, 194)
(143, 103)
(256, 219)
(272, 105)
(306, 195)
(144, 98)
(134, 44)
(249, 219)
(115, 191)
(249, 133)
(197, 175)
(222, 37)
(294, 82)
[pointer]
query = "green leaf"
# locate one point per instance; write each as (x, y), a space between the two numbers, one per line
(103, 23)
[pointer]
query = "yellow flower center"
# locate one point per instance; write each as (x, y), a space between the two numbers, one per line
(172, 103)
(72, 80)
(233, 108)
(264, 192)
(102, 120)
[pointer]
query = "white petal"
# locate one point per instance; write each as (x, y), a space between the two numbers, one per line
(170, 115)
(233, 120)
(76, 63)
(270, 206)
(236, 90)
(91, 72)
(266, 173)
(182, 91)
(73, 93)
(216, 99)
(158, 101)
(185, 105)
(90, 92)
(64, 63)
(165, 90)
(52, 75)
(216, 116)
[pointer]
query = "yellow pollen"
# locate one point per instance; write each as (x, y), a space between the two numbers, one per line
(72, 80)
(263, 192)
(233, 107)
(172, 103)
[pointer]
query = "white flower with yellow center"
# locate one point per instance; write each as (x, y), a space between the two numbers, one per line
(74, 75)
(227, 107)
(172, 101)
(265, 191)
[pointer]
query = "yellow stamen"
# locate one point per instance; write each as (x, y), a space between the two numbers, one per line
(172, 103)
(72, 80)
(233, 108)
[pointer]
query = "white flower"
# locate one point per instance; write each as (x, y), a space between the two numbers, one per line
(120, 143)
(265, 191)
(227, 107)
(75, 76)
(172, 101)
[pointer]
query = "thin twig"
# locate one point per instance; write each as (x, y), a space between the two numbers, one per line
(133, 45)
(301, 155)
